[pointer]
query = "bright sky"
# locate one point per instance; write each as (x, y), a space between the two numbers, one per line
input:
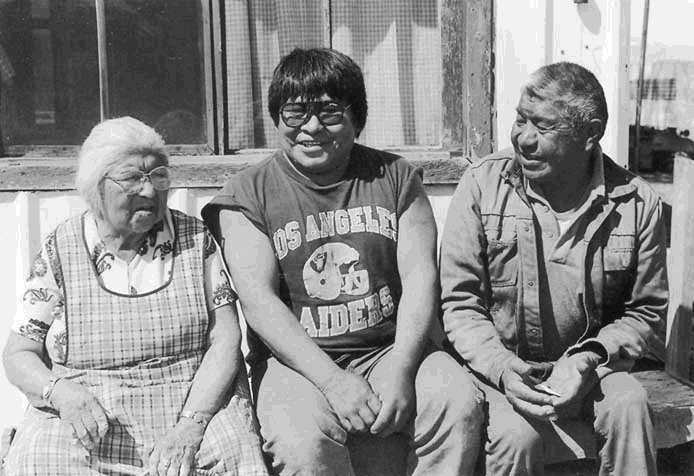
(670, 21)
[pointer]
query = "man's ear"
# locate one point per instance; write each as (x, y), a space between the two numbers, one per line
(594, 132)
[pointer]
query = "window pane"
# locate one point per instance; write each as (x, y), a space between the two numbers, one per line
(397, 43)
(156, 66)
(49, 91)
(49, 71)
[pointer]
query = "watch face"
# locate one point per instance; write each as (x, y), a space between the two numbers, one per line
(48, 390)
(197, 417)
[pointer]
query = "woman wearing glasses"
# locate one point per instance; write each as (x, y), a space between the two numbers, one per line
(334, 257)
(127, 343)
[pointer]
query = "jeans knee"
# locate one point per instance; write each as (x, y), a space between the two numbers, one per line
(633, 400)
(623, 393)
(518, 444)
(449, 390)
(624, 404)
(465, 404)
(304, 447)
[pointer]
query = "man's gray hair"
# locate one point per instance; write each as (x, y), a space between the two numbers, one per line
(573, 89)
(109, 143)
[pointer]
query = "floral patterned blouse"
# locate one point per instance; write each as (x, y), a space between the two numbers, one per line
(40, 315)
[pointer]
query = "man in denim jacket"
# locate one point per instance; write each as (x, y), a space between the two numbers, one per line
(554, 282)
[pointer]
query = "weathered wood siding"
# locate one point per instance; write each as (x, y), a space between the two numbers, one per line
(679, 321)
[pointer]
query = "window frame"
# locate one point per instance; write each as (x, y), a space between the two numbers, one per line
(209, 16)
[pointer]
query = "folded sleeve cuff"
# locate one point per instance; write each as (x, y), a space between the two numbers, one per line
(592, 345)
(495, 370)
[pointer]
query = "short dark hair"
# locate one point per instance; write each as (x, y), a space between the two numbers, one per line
(310, 73)
(573, 89)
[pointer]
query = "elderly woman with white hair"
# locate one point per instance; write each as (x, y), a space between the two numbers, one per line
(127, 342)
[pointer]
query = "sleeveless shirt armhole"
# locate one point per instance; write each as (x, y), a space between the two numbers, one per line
(412, 183)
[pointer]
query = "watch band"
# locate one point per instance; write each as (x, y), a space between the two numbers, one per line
(202, 419)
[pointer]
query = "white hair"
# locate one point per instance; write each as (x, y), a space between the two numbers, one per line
(108, 143)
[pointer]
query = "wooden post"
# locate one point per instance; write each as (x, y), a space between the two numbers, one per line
(467, 34)
(679, 321)
(634, 160)
(479, 75)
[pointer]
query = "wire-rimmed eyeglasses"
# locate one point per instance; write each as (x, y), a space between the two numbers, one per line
(132, 181)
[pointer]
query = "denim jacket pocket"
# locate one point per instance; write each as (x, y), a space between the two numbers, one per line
(502, 249)
(503, 313)
(502, 258)
(619, 253)
(618, 263)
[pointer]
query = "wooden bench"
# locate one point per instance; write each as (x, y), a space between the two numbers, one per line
(672, 402)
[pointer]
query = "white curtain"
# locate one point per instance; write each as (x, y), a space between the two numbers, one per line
(397, 43)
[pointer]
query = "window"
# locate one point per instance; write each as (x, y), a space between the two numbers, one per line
(199, 70)
(660, 89)
(154, 59)
(65, 64)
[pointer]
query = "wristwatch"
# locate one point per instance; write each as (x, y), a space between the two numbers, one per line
(202, 419)
(48, 390)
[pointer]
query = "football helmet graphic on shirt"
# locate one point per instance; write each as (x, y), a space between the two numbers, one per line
(331, 271)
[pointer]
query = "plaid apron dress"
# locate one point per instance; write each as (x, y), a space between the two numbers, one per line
(138, 355)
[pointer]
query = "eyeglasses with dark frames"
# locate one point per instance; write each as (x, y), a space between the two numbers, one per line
(132, 181)
(296, 114)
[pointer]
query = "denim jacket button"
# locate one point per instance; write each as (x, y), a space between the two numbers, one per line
(531, 283)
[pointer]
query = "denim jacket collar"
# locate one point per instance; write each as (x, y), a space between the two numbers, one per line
(617, 185)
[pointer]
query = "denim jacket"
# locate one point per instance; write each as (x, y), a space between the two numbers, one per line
(489, 267)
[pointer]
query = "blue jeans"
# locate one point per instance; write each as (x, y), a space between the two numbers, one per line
(616, 428)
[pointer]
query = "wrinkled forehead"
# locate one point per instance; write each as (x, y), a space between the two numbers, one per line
(545, 96)
(140, 161)
(538, 89)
